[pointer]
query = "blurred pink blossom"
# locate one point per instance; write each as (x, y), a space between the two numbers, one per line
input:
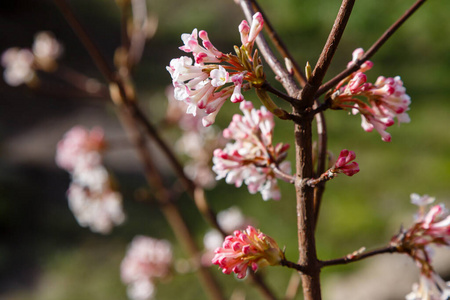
(18, 64)
(45, 46)
(431, 287)
(99, 210)
(430, 228)
(146, 260)
(80, 146)
(91, 196)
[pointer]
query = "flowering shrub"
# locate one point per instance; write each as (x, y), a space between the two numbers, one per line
(202, 80)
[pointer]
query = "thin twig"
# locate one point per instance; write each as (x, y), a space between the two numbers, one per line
(206, 211)
(279, 45)
(372, 50)
(280, 174)
(328, 51)
(292, 265)
(324, 177)
(266, 85)
(356, 257)
(173, 160)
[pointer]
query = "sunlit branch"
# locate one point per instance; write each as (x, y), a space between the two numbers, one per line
(328, 52)
(356, 256)
(373, 49)
(279, 44)
(282, 75)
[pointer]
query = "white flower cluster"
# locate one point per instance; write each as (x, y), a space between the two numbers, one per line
(92, 199)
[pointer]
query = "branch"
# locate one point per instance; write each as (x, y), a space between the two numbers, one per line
(189, 185)
(266, 85)
(280, 174)
(282, 75)
(328, 51)
(279, 44)
(375, 47)
(356, 256)
(292, 265)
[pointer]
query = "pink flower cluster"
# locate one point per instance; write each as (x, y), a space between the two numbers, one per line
(20, 64)
(431, 227)
(251, 159)
(146, 260)
(91, 196)
(386, 98)
(249, 248)
(345, 163)
(206, 81)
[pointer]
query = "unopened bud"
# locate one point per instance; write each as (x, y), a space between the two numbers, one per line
(308, 71)
(289, 65)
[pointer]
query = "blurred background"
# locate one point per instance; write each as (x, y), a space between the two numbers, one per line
(45, 254)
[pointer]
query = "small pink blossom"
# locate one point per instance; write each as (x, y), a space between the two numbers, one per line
(386, 99)
(146, 260)
(256, 27)
(357, 55)
(18, 64)
(100, 210)
(249, 248)
(207, 53)
(244, 30)
(45, 46)
(431, 287)
(421, 201)
(80, 146)
(219, 77)
(252, 157)
(345, 163)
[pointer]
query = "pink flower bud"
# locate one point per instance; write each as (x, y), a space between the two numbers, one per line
(345, 163)
(256, 27)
